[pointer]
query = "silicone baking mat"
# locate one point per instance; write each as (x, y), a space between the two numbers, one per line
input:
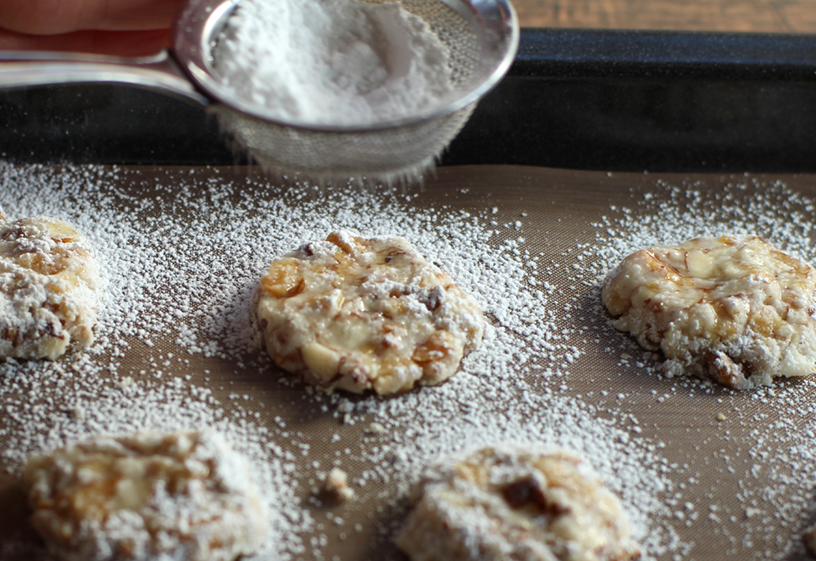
(704, 472)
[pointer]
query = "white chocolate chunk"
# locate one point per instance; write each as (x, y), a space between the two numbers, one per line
(359, 314)
(322, 361)
(733, 309)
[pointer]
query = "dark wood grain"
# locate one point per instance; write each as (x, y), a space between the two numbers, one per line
(783, 16)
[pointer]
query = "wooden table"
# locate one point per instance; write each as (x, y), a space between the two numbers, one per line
(784, 16)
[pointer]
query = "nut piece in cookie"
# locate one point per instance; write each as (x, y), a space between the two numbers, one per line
(146, 496)
(732, 309)
(336, 485)
(365, 313)
(515, 502)
(49, 283)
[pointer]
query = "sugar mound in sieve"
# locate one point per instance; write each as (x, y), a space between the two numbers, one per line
(333, 62)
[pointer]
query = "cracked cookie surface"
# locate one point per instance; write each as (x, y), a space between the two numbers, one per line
(361, 314)
(733, 309)
(515, 502)
(146, 496)
(49, 288)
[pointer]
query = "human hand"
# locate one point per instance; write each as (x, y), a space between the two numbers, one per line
(112, 27)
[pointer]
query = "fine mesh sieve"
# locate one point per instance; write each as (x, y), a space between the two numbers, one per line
(393, 155)
(481, 39)
(481, 35)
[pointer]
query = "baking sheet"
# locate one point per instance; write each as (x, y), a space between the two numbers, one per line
(739, 466)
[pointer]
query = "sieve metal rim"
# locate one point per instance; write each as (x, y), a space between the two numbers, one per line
(196, 31)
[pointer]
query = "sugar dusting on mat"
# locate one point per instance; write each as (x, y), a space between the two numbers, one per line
(39, 418)
(333, 62)
(183, 252)
(775, 502)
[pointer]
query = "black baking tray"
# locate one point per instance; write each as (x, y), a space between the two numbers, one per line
(576, 99)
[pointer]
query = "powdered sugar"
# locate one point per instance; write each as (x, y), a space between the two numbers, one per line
(49, 284)
(759, 460)
(171, 496)
(182, 251)
(515, 502)
(332, 62)
(362, 313)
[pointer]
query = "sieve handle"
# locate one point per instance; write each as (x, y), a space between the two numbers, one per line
(26, 68)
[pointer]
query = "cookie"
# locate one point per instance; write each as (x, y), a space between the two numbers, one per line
(365, 314)
(809, 538)
(732, 309)
(146, 496)
(515, 502)
(49, 289)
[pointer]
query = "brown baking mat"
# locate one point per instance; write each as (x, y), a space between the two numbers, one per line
(738, 466)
